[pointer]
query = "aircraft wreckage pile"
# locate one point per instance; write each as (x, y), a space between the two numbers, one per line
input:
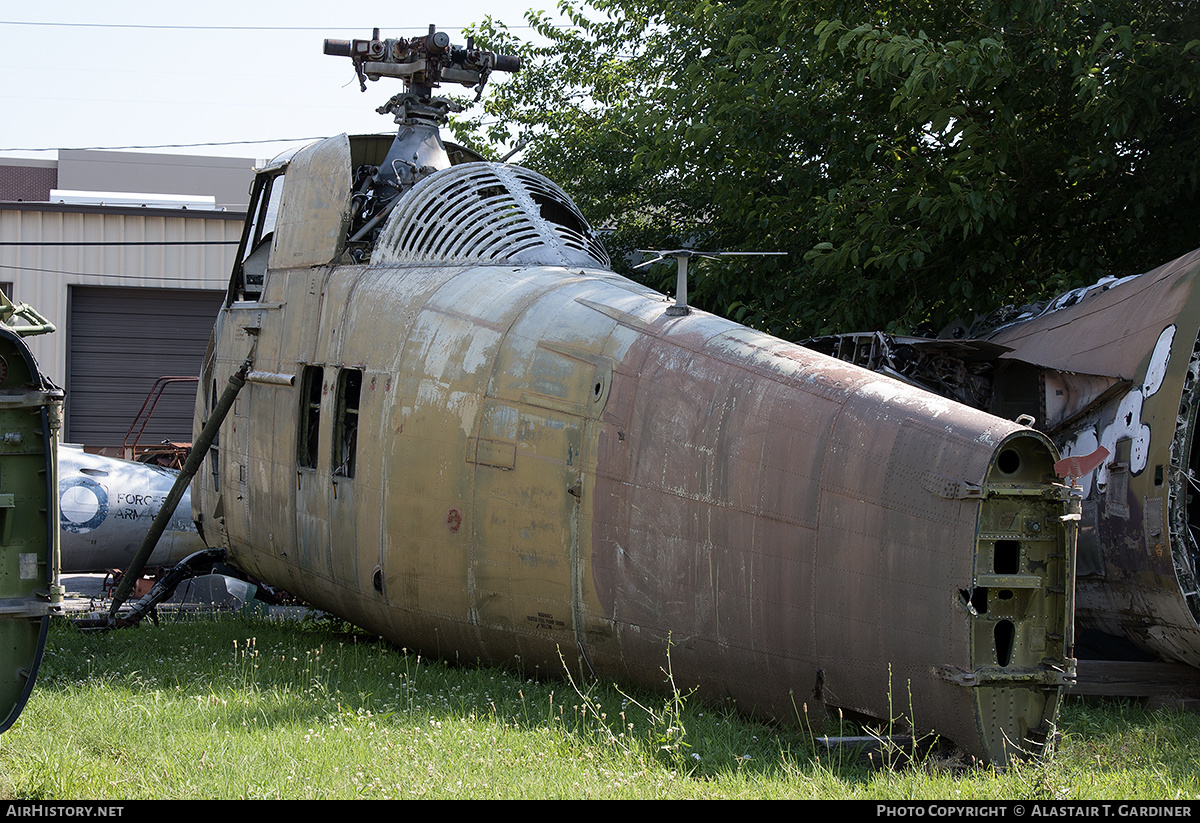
(1109, 370)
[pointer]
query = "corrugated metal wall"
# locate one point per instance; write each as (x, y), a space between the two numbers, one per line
(121, 341)
(85, 268)
(41, 274)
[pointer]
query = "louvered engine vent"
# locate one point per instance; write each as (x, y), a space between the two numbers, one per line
(488, 213)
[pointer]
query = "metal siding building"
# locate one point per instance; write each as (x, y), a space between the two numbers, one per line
(132, 290)
(120, 341)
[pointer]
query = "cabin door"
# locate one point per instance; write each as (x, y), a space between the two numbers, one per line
(343, 561)
(312, 476)
(526, 524)
(326, 457)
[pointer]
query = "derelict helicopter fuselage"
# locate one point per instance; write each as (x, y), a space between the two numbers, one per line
(461, 430)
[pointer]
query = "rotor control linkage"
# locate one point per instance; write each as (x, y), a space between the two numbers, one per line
(423, 63)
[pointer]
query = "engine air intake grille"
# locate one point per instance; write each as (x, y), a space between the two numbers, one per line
(489, 213)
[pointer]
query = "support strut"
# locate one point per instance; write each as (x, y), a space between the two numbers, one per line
(190, 467)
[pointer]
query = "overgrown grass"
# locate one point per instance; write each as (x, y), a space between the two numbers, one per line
(238, 708)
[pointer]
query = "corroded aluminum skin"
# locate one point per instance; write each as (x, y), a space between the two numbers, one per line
(549, 463)
(107, 504)
(1137, 562)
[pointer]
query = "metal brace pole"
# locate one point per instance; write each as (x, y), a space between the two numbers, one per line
(194, 461)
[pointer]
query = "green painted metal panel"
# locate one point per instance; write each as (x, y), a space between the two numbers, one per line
(30, 416)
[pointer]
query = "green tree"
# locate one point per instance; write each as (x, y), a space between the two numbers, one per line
(919, 161)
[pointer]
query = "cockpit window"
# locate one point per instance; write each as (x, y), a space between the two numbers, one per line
(271, 212)
(254, 251)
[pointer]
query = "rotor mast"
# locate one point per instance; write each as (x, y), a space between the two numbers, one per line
(423, 64)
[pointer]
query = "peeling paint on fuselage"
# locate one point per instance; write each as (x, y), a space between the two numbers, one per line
(561, 467)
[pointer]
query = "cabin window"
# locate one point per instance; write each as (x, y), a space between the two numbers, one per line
(345, 427)
(310, 416)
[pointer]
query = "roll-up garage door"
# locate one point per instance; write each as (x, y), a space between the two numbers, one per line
(123, 339)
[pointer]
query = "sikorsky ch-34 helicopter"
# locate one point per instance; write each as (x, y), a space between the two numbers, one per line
(451, 423)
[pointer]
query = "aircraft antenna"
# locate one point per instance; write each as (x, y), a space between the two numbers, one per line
(681, 257)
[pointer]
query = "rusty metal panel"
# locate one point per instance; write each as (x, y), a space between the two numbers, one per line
(1108, 329)
(1142, 330)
